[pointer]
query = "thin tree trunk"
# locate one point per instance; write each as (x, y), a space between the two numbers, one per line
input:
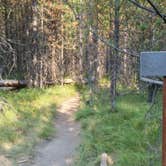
(62, 52)
(115, 56)
(81, 42)
(34, 70)
(93, 48)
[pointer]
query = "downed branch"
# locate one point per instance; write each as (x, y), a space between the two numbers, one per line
(13, 83)
(23, 83)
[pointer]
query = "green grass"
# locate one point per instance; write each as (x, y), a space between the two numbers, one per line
(125, 135)
(28, 117)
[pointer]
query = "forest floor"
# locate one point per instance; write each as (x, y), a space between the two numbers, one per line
(60, 151)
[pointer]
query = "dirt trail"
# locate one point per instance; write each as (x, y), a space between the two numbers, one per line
(60, 151)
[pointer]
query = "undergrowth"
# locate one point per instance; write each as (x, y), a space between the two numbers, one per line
(28, 117)
(125, 135)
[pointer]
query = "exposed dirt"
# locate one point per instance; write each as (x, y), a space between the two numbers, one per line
(4, 161)
(61, 150)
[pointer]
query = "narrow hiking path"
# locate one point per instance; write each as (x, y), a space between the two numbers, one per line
(60, 151)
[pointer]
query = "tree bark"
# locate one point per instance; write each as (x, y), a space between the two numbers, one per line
(115, 56)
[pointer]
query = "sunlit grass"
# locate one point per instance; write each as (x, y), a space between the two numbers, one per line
(28, 117)
(124, 135)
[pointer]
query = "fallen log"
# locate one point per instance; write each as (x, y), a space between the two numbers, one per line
(13, 83)
(65, 81)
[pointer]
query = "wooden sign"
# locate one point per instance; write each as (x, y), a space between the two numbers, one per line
(153, 64)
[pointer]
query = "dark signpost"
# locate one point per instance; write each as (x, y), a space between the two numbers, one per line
(154, 64)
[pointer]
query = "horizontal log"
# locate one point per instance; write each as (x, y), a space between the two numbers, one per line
(68, 81)
(152, 81)
(13, 83)
(65, 81)
(22, 83)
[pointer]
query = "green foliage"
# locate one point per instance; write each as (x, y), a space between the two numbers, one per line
(84, 113)
(143, 26)
(123, 134)
(28, 116)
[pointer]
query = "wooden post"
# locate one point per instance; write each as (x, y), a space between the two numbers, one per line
(103, 159)
(164, 125)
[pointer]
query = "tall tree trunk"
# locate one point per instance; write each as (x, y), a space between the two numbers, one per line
(115, 56)
(6, 20)
(93, 48)
(34, 73)
(81, 45)
(62, 51)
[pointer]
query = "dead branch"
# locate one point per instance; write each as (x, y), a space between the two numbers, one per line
(155, 11)
(163, 16)
(8, 57)
(142, 7)
(122, 50)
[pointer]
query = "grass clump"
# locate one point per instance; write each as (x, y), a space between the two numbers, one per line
(28, 117)
(124, 135)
